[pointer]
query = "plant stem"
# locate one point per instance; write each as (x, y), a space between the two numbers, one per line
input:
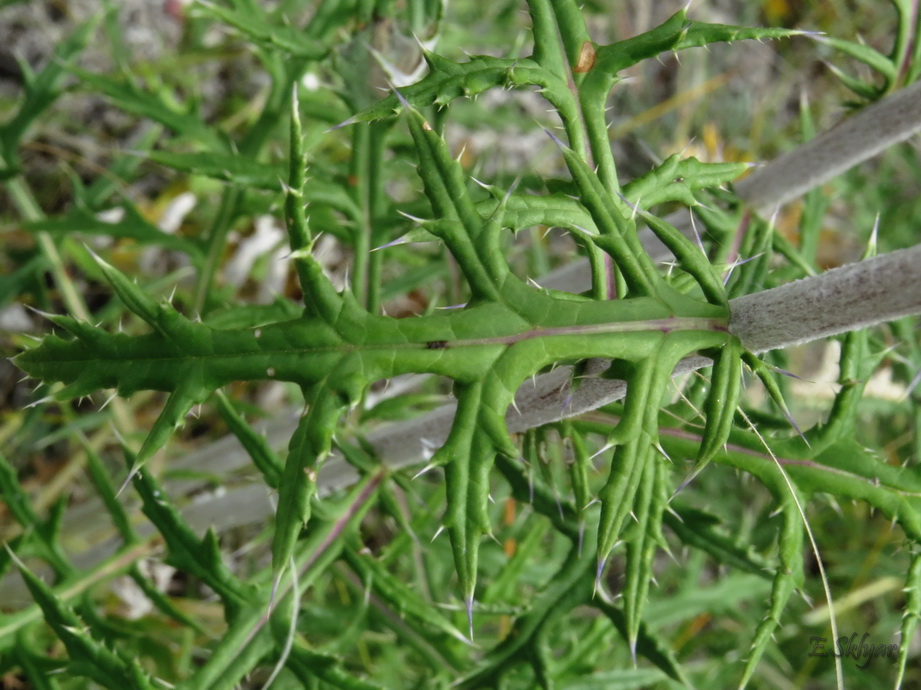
(881, 289)
(852, 141)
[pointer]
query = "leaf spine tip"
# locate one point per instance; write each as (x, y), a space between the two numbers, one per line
(424, 470)
(599, 569)
(345, 123)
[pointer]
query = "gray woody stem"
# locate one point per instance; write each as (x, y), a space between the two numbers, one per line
(852, 141)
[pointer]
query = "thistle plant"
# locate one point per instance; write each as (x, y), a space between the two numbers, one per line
(605, 488)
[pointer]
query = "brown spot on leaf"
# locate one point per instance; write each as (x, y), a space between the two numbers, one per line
(586, 58)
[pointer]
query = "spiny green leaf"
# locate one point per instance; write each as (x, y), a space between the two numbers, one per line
(446, 189)
(447, 81)
(553, 210)
(308, 448)
(319, 295)
(911, 614)
(199, 557)
(457, 344)
(641, 548)
(700, 34)
(865, 54)
(676, 33)
(761, 370)
(102, 482)
(691, 259)
(720, 407)
(613, 58)
(161, 317)
(187, 394)
(295, 216)
(462, 452)
(677, 178)
(617, 495)
(617, 230)
(89, 657)
(637, 442)
(861, 87)
(788, 576)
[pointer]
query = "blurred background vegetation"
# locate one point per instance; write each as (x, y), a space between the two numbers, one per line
(89, 154)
